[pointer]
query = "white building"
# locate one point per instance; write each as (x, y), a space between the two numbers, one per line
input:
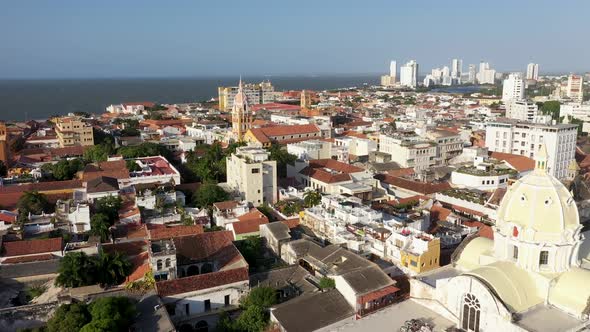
(472, 74)
(448, 145)
(531, 277)
(524, 110)
(486, 75)
(575, 88)
(313, 149)
(408, 74)
(524, 138)
(532, 71)
(513, 88)
(575, 110)
(409, 151)
(393, 70)
(253, 175)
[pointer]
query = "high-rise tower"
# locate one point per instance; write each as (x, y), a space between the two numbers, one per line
(241, 117)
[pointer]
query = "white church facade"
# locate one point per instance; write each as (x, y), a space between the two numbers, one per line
(533, 275)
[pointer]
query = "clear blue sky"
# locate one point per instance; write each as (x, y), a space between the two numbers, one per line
(133, 38)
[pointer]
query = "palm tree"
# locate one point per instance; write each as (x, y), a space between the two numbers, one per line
(99, 226)
(75, 269)
(113, 269)
(312, 198)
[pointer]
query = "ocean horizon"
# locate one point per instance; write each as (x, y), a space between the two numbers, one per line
(34, 99)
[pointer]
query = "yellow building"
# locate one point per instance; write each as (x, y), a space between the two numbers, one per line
(305, 99)
(72, 131)
(423, 261)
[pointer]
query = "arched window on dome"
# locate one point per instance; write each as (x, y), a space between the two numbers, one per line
(471, 313)
(544, 257)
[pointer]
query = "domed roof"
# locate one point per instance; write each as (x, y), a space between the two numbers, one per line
(539, 202)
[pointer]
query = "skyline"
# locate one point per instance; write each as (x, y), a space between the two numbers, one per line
(146, 39)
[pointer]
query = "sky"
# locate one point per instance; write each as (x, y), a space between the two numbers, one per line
(202, 38)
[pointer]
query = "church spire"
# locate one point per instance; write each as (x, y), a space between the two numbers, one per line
(541, 159)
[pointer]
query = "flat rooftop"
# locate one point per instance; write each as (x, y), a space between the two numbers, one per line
(393, 317)
(549, 319)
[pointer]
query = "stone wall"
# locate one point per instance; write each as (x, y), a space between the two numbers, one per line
(27, 316)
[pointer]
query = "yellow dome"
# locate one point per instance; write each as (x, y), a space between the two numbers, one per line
(539, 202)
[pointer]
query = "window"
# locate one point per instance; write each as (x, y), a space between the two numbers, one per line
(471, 312)
(255, 170)
(515, 253)
(207, 305)
(159, 264)
(168, 262)
(226, 300)
(413, 263)
(543, 257)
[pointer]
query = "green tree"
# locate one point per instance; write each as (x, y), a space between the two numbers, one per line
(97, 153)
(66, 169)
(99, 226)
(109, 206)
(208, 194)
(76, 269)
(146, 149)
(32, 201)
(264, 297)
(101, 325)
(253, 319)
(267, 211)
(69, 318)
(3, 169)
(132, 166)
(127, 132)
(251, 249)
(551, 108)
(327, 283)
(312, 198)
(282, 157)
(120, 310)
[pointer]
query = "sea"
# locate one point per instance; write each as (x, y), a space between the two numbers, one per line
(23, 100)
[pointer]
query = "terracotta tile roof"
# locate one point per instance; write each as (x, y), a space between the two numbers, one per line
(334, 165)
(248, 226)
(202, 281)
(466, 210)
(131, 231)
(424, 188)
(140, 265)
(43, 186)
(207, 246)
(483, 229)
(175, 231)
(291, 223)
(268, 134)
(401, 172)
(254, 214)
(115, 169)
(225, 205)
(520, 163)
(325, 176)
(30, 247)
(275, 107)
(131, 248)
(8, 217)
(439, 213)
(28, 259)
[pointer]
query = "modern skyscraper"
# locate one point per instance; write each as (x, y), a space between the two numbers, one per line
(409, 74)
(389, 80)
(485, 74)
(532, 71)
(241, 116)
(575, 85)
(513, 88)
(456, 68)
(472, 74)
(393, 70)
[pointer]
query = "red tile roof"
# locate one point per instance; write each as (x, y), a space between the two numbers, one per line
(334, 165)
(254, 214)
(114, 169)
(275, 107)
(520, 163)
(291, 223)
(248, 226)
(439, 213)
(30, 247)
(268, 134)
(226, 205)
(175, 231)
(377, 294)
(202, 281)
(27, 259)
